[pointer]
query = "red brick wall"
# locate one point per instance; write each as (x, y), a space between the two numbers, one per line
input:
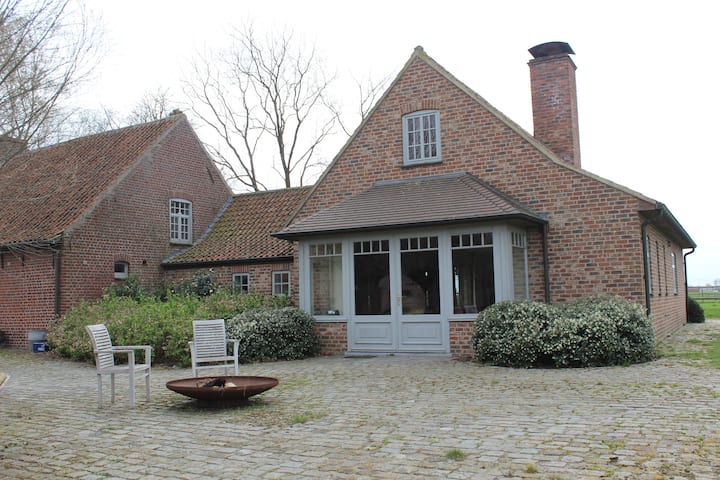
(667, 308)
(594, 236)
(333, 337)
(27, 294)
(260, 275)
(131, 224)
(461, 340)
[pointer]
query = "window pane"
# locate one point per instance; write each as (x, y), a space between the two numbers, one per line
(420, 282)
(326, 285)
(372, 284)
(519, 273)
(473, 279)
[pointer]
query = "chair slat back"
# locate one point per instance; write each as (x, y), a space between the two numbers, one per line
(210, 338)
(102, 345)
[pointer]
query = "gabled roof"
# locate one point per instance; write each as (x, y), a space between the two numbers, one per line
(420, 201)
(44, 192)
(645, 202)
(241, 234)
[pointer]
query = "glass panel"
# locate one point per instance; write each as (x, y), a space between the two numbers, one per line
(466, 240)
(433, 242)
(372, 284)
(420, 282)
(473, 279)
(455, 241)
(403, 244)
(519, 273)
(326, 285)
(488, 238)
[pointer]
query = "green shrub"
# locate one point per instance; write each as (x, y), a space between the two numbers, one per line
(696, 314)
(166, 325)
(200, 284)
(130, 287)
(510, 333)
(596, 331)
(274, 334)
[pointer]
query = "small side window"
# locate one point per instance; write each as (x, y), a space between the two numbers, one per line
(122, 270)
(281, 283)
(241, 283)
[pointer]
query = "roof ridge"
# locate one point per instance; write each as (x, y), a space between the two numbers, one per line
(169, 119)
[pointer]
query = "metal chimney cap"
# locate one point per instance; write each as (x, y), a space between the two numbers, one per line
(551, 48)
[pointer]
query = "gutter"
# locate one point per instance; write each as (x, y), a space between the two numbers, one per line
(57, 259)
(546, 262)
(687, 293)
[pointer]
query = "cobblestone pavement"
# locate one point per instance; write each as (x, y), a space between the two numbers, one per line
(373, 418)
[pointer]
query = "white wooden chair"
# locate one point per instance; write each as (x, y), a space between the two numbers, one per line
(104, 352)
(210, 346)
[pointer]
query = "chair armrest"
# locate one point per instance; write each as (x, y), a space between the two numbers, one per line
(236, 345)
(130, 350)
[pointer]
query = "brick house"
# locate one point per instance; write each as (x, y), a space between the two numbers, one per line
(80, 215)
(439, 205)
(238, 246)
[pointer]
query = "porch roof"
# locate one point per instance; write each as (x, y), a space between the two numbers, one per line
(421, 201)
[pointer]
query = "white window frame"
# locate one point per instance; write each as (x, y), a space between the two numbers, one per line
(676, 287)
(502, 264)
(278, 283)
(178, 220)
(237, 280)
(125, 271)
(409, 159)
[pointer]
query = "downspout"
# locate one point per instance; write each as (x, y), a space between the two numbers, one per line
(546, 262)
(646, 257)
(687, 293)
(57, 258)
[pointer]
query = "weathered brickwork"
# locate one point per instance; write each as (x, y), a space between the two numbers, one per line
(333, 337)
(129, 223)
(132, 222)
(460, 340)
(594, 236)
(27, 294)
(260, 275)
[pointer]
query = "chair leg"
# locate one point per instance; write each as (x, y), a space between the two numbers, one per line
(147, 386)
(99, 382)
(131, 393)
(112, 388)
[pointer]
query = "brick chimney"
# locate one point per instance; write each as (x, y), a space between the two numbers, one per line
(554, 100)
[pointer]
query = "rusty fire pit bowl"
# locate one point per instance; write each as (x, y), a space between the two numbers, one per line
(222, 390)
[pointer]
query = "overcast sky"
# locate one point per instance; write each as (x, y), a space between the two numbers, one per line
(647, 77)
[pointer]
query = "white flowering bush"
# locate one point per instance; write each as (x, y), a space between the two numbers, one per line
(596, 331)
(274, 334)
(512, 333)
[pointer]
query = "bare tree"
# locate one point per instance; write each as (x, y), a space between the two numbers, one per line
(263, 98)
(368, 93)
(47, 48)
(153, 105)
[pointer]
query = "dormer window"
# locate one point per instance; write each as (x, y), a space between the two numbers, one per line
(421, 137)
(180, 221)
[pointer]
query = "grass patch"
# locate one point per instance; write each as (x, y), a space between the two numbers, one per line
(710, 307)
(705, 351)
(455, 454)
(531, 469)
